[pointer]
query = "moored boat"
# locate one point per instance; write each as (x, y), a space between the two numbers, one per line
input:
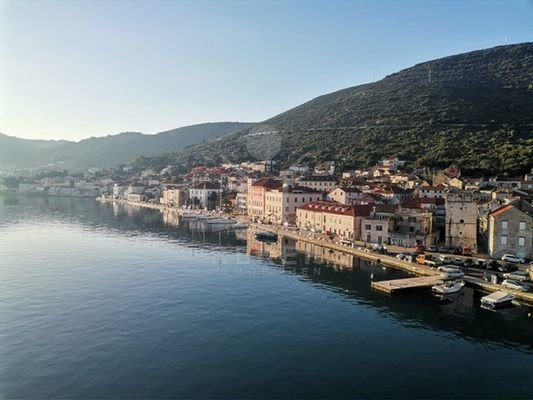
(498, 299)
(266, 236)
(448, 287)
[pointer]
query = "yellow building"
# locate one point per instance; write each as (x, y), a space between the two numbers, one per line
(332, 218)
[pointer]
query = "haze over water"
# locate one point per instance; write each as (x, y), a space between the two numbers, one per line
(101, 301)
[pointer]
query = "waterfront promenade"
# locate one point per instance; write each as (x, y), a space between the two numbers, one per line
(361, 252)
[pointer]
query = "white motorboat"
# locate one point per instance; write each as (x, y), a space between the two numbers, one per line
(220, 221)
(189, 216)
(497, 299)
(240, 225)
(448, 287)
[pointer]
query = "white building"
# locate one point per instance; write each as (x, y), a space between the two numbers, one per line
(200, 193)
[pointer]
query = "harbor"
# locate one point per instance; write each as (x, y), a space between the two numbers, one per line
(426, 277)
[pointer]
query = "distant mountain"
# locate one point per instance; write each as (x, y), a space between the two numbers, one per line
(109, 150)
(472, 109)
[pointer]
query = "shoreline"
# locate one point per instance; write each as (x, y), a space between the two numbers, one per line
(390, 261)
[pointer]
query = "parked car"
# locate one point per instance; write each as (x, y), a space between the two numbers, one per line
(452, 274)
(480, 263)
(517, 276)
(458, 262)
(507, 267)
(511, 284)
(432, 248)
(512, 258)
(443, 249)
(420, 248)
(401, 256)
(467, 263)
(487, 276)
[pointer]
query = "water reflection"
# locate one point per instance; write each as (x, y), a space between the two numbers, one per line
(344, 274)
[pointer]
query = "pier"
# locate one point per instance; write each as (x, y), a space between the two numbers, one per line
(407, 285)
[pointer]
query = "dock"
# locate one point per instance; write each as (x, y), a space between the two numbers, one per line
(407, 285)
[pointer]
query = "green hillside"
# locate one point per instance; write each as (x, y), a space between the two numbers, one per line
(473, 109)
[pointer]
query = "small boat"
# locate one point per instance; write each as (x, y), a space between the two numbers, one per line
(220, 221)
(496, 300)
(189, 215)
(448, 287)
(266, 236)
(239, 225)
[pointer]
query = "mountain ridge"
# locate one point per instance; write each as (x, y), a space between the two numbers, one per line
(107, 151)
(472, 109)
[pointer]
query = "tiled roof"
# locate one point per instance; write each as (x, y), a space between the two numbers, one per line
(330, 207)
(501, 210)
(206, 185)
(350, 189)
(318, 178)
(268, 183)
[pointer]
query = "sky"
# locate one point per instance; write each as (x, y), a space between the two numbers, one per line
(76, 69)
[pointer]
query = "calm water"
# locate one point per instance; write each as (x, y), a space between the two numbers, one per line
(99, 301)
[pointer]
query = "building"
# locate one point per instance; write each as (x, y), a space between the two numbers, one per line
(345, 195)
(255, 201)
(136, 197)
(391, 164)
(377, 229)
(332, 218)
(414, 226)
(434, 204)
(394, 194)
(175, 195)
(201, 194)
(322, 183)
(510, 230)
(461, 219)
(240, 203)
(431, 191)
(281, 203)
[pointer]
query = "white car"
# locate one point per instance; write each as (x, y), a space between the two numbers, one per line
(510, 284)
(512, 258)
(450, 275)
(517, 276)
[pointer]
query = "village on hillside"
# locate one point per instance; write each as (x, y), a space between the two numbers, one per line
(387, 204)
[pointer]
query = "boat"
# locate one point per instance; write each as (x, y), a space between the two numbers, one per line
(189, 216)
(220, 221)
(497, 299)
(239, 225)
(452, 275)
(266, 236)
(448, 287)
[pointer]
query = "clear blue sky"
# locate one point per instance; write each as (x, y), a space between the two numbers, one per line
(74, 69)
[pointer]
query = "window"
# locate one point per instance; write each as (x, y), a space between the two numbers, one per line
(522, 226)
(521, 241)
(461, 221)
(368, 227)
(504, 225)
(368, 238)
(503, 240)
(379, 228)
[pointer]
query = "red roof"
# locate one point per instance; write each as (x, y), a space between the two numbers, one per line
(331, 207)
(501, 210)
(268, 183)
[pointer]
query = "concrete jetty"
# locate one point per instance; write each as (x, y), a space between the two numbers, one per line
(407, 285)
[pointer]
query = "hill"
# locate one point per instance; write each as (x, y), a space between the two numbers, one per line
(109, 150)
(472, 109)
